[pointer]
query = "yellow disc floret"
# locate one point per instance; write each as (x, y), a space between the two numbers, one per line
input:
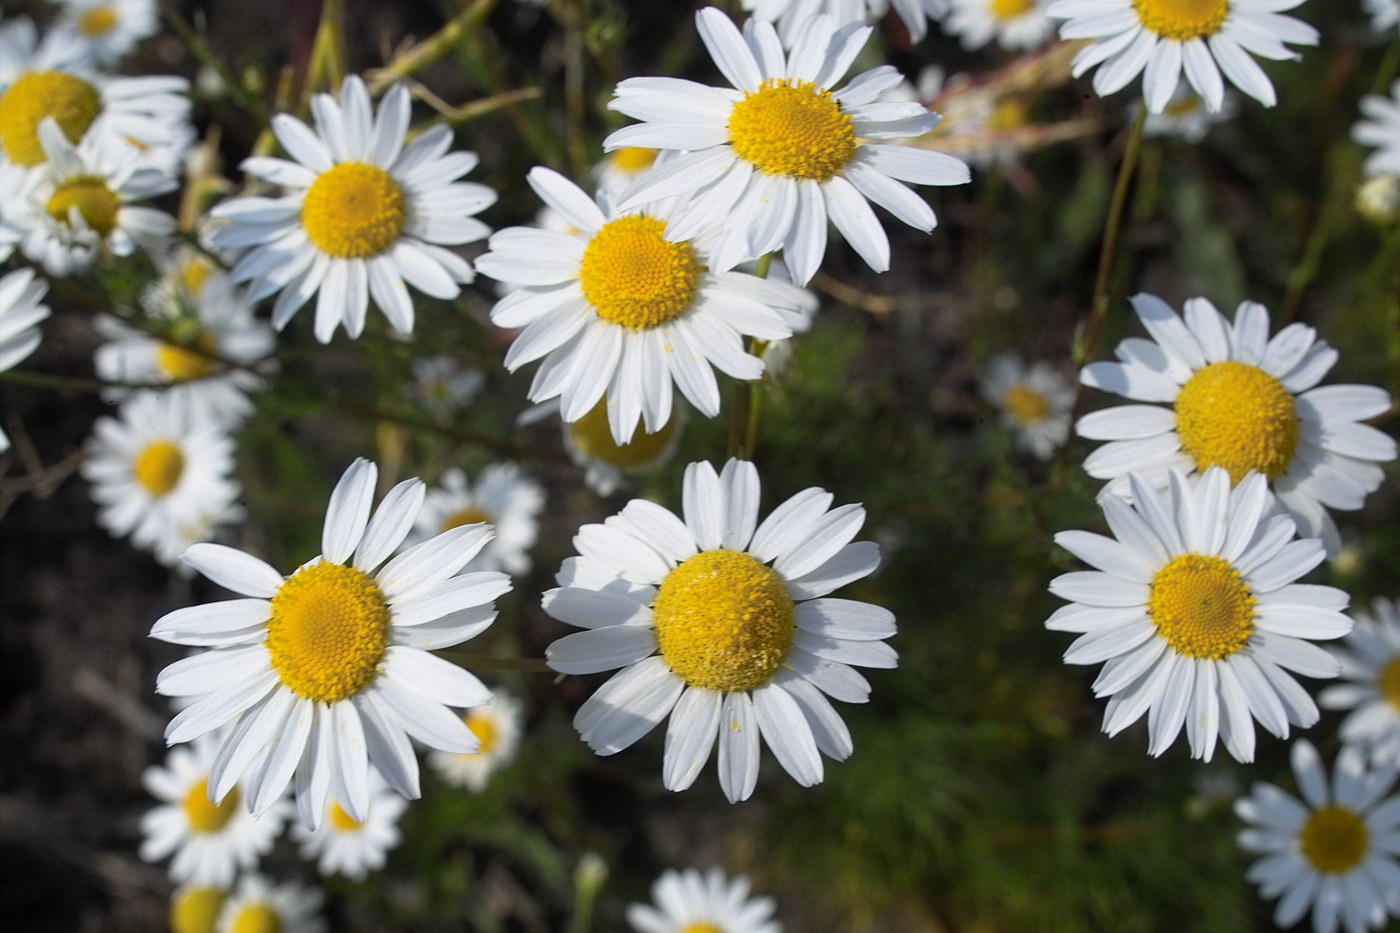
(206, 816)
(1026, 405)
(632, 275)
(468, 515)
(1238, 417)
(1390, 682)
(1182, 20)
(1201, 606)
(701, 927)
(483, 726)
(71, 101)
(328, 632)
(181, 364)
(257, 917)
(1010, 9)
(96, 203)
(633, 159)
(97, 21)
(592, 438)
(158, 467)
(789, 127)
(340, 820)
(1333, 840)
(354, 210)
(196, 909)
(723, 621)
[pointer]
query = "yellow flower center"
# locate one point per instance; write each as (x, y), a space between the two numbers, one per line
(1182, 19)
(633, 159)
(633, 276)
(1026, 405)
(353, 210)
(700, 928)
(97, 21)
(1238, 417)
(787, 128)
(1010, 9)
(1201, 606)
(483, 726)
(467, 515)
(341, 821)
(1333, 839)
(206, 816)
(1009, 113)
(593, 439)
(193, 273)
(1390, 682)
(179, 364)
(723, 621)
(97, 204)
(196, 910)
(257, 918)
(158, 468)
(328, 632)
(71, 101)
(1188, 104)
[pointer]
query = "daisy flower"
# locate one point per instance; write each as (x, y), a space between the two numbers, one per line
(1334, 850)
(210, 842)
(108, 29)
(772, 160)
(1194, 609)
(725, 624)
(286, 908)
(689, 902)
(1201, 38)
(789, 15)
(49, 80)
(160, 476)
(1385, 14)
(627, 307)
(1017, 25)
(1378, 199)
(621, 167)
(498, 727)
(14, 180)
(606, 463)
(362, 214)
(212, 366)
(1381, 131)
(20, 314)
(1186, 115)
(1035, 402)
(445, 386)
(195, 908)
(502, 497)
(1241, 401)
(81, 200)
(1370, 659)
(346, 846)
(328, 671)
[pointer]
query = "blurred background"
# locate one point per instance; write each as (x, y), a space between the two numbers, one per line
(981, 795)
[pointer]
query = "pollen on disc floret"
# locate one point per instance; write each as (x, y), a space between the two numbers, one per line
(1236, 416)
(1201, 606)
(724, 621)
(633, 276)
(328, 631)
(354, 210)
(792, 128)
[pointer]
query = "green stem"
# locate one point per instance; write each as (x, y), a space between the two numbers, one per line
(432, 48)
(748, 396)
(1108, 251)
